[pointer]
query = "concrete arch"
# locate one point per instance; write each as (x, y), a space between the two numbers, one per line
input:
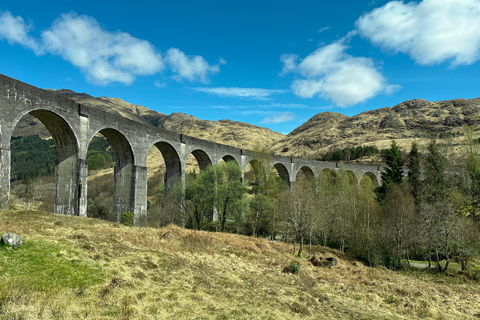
(123, 189)
(67, 192)
(228, 157)
(120, 144)
(173, 165)
(307, 171)
(352, 178)
(282, 172)
(202, 158)
(372, 176)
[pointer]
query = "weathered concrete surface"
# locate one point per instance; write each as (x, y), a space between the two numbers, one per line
(73, 126)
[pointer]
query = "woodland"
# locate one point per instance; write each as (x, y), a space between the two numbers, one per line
(426, 207)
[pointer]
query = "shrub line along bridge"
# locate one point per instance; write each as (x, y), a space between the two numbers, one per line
(73, 126)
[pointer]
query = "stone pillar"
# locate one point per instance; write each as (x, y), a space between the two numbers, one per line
(66, 186)
(4, 178)
(123, 193)
(82, 187)
(140, 196)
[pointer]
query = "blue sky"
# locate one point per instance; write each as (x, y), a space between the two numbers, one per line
(268, 63)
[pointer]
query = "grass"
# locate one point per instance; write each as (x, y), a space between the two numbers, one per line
(452, 264)
(81, 268)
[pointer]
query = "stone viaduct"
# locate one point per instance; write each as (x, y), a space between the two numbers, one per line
(73, 126)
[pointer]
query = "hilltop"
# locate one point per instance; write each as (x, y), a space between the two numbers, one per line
(405, 122)
(82, 268)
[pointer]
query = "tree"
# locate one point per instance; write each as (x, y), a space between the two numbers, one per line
(229, 191)
(400, 213)
(439, 206)
(414, 179)
(471, 166)
(392, 173)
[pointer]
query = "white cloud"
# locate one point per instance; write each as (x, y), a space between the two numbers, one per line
(332, 74)
(159, 84)
(15, 31)
(279, 118)
(234, 92)
(431, 31)
(104, 56)
(190, 67)
(323, 29)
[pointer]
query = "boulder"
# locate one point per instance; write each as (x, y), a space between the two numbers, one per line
(12, 240)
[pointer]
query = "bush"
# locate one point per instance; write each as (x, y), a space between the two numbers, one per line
(294, 267)
(127, 218)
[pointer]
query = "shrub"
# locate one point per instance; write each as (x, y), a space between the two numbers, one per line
(294, 267)
(127, 218)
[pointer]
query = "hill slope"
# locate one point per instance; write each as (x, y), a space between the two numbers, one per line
(405, 122)
(82, 268)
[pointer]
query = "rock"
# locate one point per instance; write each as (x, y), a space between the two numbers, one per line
(12, 240)
(322, 262)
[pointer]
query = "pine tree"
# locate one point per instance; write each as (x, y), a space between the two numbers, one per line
(413, 166)
(392, 173)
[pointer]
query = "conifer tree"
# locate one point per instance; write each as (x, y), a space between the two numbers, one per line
(392, 173)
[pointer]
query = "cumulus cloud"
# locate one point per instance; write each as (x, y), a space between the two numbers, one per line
(279, 118)
(332, 74)
(102, 55)
(234, 92)
(190, 67)
(15, 31)
(431, 31)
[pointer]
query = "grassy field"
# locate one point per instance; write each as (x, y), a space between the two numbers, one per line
(81, 268)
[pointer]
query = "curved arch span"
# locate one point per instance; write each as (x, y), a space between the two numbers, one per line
(282, 172)
(202, 158)
(372, 177)
(67, 192)
(306, 172)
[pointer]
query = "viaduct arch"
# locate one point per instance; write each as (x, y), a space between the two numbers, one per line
(72, 127)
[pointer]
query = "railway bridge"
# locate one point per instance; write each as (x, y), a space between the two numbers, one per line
(74, 125)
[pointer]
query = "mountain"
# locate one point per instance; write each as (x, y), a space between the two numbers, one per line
(407, 121)
(233, 133)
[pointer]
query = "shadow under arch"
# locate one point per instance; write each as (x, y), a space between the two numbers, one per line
(282, 172)
(372, 177)
(228, 158)
(306, 172)
(173, 166)
(202, 158)
(67, 193)
(123, 186)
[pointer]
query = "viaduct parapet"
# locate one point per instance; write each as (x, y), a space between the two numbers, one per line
(73, 126)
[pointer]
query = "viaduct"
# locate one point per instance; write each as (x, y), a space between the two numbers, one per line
(73, 126)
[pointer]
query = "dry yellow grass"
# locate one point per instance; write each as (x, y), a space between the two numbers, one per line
(174, 273)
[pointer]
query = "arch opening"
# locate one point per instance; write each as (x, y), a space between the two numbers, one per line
(111, 175)
(282, 172)
(372, 177)
(352, 178)
(304, 173)
(164, 185)
(44, 162)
